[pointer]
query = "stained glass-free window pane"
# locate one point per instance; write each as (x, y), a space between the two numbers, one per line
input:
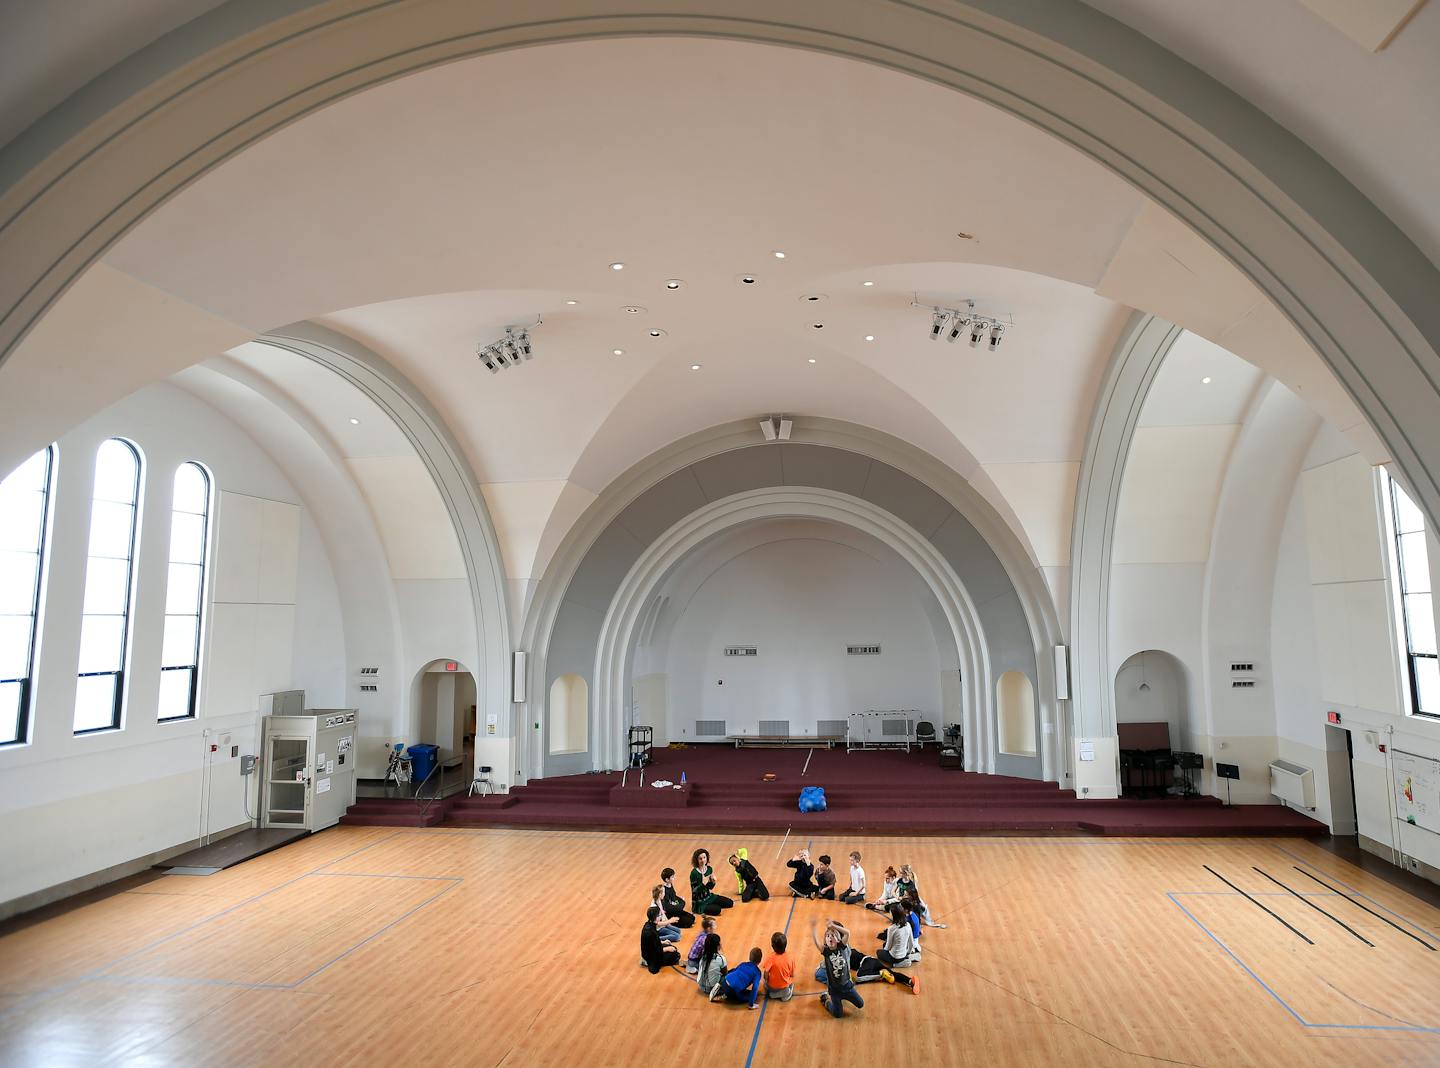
(187, 538)
(17, 582)
(1414, 563)
(111, 527)
(20, 517)
(1427, 684)
(116, 471)
(179, 646)
(15, 634)
(192, 490)
(11, 694)
(1420, 619)
(175, 693)
(95, 702)
(1408, 518)
(107, 585)
(182, 595)
(102, 643)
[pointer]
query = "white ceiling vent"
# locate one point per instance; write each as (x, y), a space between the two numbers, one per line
(741, 650)
(863, 650)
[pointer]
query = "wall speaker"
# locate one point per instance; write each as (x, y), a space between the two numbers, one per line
(1062, 673)
(517, 677)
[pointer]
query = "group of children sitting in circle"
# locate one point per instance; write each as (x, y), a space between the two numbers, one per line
(842, 965)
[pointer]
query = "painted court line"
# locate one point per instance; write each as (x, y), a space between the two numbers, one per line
(1175, 895)
(755, 1039)
(1356, 893)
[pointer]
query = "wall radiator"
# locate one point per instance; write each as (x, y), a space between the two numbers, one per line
(1293, 783)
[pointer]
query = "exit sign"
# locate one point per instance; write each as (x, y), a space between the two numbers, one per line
(1333, 717)
(450, 665)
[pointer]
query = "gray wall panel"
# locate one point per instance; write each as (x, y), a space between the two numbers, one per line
(906, 498)
(604, 566)
(972, 558)
(736, 472)
(824, 468)
(662, 506)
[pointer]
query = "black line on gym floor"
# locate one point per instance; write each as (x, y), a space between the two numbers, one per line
(1317, 908)
(1372, 912)
(1252, 901)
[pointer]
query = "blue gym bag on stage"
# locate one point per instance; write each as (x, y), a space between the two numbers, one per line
(812, 799)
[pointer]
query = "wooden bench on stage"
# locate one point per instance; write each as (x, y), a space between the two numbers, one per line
(785, 741)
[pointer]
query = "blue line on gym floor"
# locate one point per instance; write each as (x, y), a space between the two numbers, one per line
(765, 1004)
(1175, 895)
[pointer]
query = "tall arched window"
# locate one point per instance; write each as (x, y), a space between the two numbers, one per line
(24, 508)
(109, 574)
(185, 592)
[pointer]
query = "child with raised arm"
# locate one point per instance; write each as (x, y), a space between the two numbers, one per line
(751, 885)
(856, 894)
(741, 983)
(803, 885)
(835, 970)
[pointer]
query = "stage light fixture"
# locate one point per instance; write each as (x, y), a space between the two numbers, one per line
(977, 330)
(937, 323)
(507, 351)
(997, 332)
(957, 327)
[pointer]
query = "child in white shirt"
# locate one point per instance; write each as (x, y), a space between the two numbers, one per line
(856, 894)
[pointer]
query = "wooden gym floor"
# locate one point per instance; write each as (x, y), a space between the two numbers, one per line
(519, 947)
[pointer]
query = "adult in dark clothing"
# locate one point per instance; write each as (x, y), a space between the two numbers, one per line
(672, 904)
(803, 885)
(655, 954)
(754, 886)
(703, 898)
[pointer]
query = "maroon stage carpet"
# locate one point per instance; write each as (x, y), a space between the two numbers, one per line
(883, 791)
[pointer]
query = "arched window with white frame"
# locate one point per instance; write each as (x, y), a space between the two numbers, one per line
(109, 579)
(185, 593)
(24, 517)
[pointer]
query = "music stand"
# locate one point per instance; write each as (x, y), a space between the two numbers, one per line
(1227, 772)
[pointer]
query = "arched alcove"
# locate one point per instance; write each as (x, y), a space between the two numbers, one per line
(1015, 714)
(443, 704)
(1150, 687)
(568, 716)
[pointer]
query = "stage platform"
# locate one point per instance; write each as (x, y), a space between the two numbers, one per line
(880, 791)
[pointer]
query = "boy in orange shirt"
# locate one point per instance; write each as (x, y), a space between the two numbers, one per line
(779, 970)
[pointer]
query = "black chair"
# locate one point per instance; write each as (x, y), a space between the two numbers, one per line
(924, 732)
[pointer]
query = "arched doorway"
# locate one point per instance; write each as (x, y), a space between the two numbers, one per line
(443, 704)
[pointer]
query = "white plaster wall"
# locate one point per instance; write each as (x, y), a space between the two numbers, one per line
(74, 806)
(801, 601)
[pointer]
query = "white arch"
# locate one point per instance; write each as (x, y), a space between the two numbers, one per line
(617, 634)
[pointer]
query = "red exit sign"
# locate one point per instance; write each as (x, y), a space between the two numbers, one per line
(450, 665)
(1333, 717)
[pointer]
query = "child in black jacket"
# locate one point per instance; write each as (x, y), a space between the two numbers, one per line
(672, 904)
(751, 885)
(655, 954)
(803, 885)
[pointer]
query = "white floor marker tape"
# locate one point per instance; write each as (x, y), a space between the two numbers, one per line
(783, 841)
(807, 763)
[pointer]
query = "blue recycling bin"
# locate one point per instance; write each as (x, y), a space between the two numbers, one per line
(423, 759)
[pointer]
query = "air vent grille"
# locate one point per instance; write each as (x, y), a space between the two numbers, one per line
(1242, 684)
(741, 650)
(709, 728)
(775, 728)
(831, 728)
(863, 650)
(1242, 667)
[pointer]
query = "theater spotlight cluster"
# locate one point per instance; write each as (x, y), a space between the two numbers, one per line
(954, 323)
(507, 352)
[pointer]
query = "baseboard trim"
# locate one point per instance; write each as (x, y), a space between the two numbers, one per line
(79, 885)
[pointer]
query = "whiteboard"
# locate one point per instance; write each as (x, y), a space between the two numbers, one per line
(1417, 789)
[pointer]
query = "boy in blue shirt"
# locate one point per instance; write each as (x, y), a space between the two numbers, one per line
(741, 983)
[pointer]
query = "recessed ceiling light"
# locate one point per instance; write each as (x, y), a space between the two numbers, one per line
(1205, 381)
(617, 266)
(867, 283)
(817, 326)
(674, 283)
(869, 337)
(656, 332)
(963, 236)
(632, 309)
(694, 367)
(746, 279)
(618, 352)
(572, 303)
(779, 255)
(354, 422)
(811, 360)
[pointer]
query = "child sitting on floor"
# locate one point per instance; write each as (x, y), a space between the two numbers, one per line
(655, 954)
(834, 970)
(751, 885)
(712, 965)
(803, 885)
(741, 983)
(779, 969)
(889, 892)
(856, 894)
(825, 878)
(697, 947)
(669, 932)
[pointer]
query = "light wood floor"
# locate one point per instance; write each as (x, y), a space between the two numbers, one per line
(450, 947)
